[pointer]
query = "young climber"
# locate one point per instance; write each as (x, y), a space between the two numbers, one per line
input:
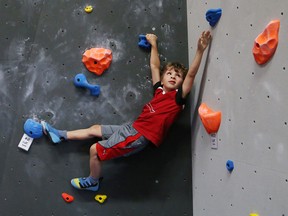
(171, 87)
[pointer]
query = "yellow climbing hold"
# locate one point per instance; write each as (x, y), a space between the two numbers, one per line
(88, 9)
(100, 198)
(254, 214)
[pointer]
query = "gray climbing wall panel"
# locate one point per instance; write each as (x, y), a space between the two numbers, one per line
(41, 44)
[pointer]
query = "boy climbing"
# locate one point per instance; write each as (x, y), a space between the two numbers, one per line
(171, 87)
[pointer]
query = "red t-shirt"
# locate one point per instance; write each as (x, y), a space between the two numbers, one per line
(159, 114)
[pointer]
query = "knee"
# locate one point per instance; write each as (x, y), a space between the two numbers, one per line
(95, 130)
(93, 150)
(95, 127)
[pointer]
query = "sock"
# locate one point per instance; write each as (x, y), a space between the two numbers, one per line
(55, 135)
(62, 133)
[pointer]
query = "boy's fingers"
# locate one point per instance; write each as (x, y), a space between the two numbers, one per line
(206, 34)
(151, 36)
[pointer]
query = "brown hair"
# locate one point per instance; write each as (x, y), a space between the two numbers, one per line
(178, 67)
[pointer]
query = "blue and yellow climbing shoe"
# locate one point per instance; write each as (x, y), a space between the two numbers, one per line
(88, 183)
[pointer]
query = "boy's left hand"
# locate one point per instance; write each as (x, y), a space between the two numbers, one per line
(204, 40)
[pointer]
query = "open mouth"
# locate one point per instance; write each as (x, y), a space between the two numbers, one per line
(172, 82)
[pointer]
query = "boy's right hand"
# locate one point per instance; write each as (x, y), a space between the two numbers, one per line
(152, 39)
(204, 40)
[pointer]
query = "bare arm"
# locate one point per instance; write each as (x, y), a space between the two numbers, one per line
(203, 42)
(154, 59)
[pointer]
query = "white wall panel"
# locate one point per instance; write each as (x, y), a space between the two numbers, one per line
(253, 101)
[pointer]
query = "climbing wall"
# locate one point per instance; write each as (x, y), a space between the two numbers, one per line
(253, 102)
(41, 44)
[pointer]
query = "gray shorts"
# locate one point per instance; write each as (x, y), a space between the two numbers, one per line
(120, 140)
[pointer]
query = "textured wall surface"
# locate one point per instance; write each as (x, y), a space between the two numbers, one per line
(253, 101)
(41, 44)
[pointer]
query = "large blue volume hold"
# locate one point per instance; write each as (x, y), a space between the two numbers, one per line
(33, 128)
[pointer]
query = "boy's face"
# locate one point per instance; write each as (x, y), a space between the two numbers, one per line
(171, 79)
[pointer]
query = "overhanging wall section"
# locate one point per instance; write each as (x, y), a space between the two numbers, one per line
(42, 43)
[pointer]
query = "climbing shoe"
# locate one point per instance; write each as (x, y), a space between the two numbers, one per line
(52, 133)
(86, 183)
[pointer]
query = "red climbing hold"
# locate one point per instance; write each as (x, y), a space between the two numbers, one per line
(210, 119)
(266, 43)
(68, 198)
(97, 60)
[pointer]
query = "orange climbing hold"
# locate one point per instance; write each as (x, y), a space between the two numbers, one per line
(68, 198)
(97, 60)
(266, 43)
(210, 119)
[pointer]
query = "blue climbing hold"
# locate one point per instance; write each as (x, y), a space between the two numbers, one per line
(213, 16)
(143, 43)
(80, 80)
(33, 128)
(230, 165)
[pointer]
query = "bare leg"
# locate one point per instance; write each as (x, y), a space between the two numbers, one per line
(82, 134)
(91, 182)
(95, 163)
